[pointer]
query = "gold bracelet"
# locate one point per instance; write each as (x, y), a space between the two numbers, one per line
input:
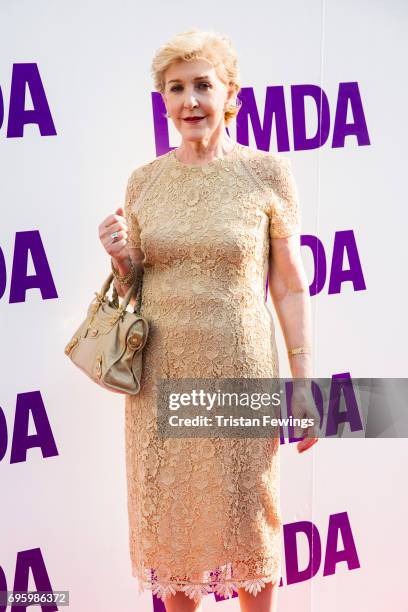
(298, 350)
(125, 279)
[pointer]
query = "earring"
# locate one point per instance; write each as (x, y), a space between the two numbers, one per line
(167, 114)
(232, 106)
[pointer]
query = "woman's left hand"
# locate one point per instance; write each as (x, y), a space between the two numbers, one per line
(303, 408)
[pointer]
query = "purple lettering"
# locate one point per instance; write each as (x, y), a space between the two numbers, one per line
(28, 74)
(290, 532)
(20, 281)
(274, 108)
(1, 108)
(3, 434)
(345, 241)
(3, 274)
(3, 586)
(275, 113)
(339, 523)
(161, 126)
(342, 384)
(349, 93)
(31, 403)
(319, 260)
(26, 560)
(300, 140)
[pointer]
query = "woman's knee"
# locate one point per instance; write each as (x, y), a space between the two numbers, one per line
(265, 600)
(180, 602)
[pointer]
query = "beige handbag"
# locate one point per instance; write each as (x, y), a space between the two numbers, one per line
(108, 345)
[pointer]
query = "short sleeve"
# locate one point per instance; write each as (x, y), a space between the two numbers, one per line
(132, 191)
(284, 212)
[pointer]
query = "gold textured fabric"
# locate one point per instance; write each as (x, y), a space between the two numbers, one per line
(204, 514)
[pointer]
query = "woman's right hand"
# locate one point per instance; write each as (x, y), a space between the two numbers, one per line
(118, 250)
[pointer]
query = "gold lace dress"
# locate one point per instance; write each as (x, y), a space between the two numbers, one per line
(204, 513)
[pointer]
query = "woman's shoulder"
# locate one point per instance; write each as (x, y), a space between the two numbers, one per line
(267, 165)
(146, 171)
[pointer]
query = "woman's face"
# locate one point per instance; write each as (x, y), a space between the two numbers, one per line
(193, 89)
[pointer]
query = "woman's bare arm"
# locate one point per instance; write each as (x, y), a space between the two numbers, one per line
(289, 290)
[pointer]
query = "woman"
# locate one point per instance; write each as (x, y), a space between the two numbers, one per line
(200, 224)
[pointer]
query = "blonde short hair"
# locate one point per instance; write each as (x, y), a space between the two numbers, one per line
(198, 44)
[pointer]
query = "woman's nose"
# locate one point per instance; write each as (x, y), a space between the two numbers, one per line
(190, 101)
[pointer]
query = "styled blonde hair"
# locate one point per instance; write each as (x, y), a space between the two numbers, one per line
(198, 44)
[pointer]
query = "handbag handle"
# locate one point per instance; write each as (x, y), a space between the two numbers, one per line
(135, 289)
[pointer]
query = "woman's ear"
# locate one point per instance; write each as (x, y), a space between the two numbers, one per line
(165, 105)
(230, 96)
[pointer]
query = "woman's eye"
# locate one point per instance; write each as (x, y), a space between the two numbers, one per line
(178, 87)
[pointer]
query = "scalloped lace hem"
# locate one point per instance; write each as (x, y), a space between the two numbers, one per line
(225, 587)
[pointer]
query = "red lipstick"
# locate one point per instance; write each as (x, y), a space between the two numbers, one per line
(193, 119)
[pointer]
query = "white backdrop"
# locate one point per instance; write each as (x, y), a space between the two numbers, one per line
(68, 505)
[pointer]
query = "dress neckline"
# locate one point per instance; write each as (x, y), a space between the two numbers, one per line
(217, 160)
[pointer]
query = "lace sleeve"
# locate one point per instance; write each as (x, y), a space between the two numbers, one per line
(285, 214)
(133, 189)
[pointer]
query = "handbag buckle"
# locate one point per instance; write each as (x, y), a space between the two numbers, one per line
(71, 345)
(135, 341)
(119, 314)
(98, 366)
